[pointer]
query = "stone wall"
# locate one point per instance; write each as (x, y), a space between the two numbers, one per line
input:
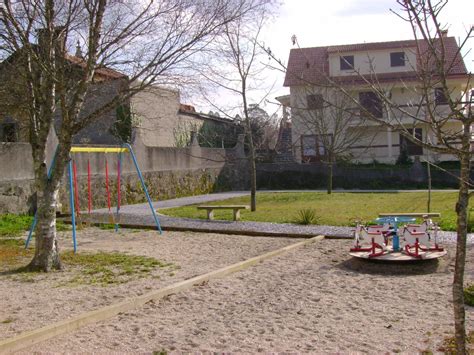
(314, 176)
(168, 173)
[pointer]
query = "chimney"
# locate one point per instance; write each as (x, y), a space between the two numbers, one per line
(444, 33)
(79, 51)
(59, 38)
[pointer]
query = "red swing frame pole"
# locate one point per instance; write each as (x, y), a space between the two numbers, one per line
(89, 190)
(76, 191)
(107, 183)
(118, 183)
(119, 172)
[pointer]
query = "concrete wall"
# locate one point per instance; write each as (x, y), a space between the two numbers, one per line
(159, 121)
(101, 130)
(156, 110)
(168, 172)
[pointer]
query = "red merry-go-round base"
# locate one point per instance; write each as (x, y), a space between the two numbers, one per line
(398, 256)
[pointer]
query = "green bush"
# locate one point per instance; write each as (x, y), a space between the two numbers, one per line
(306, 216)
(469, 295)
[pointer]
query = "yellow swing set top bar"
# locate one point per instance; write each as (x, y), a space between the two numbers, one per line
(98, 150)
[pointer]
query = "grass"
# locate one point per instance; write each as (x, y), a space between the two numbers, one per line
(449, 344)
(13, 226)
(469, 295)
(85, 268)
(339, 209)
(13, 254)
(109, 268)
(107, 226)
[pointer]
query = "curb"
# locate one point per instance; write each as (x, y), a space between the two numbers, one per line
(251, 233)
(35, 336)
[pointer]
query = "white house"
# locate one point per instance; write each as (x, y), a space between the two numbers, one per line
(394, 69)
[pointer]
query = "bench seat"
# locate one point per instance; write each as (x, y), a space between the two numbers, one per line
(235, 208)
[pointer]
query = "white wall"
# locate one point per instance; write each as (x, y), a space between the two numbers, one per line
(159, 122)
(372, 61)
(377, 136)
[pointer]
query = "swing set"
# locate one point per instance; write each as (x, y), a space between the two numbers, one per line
(74, 191)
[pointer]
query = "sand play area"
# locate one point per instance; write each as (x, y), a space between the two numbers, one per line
(312, 299)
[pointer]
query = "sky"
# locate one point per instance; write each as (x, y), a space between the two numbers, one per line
(320, 23)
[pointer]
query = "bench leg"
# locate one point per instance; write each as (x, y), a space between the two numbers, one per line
(236, 215)
(210, 215)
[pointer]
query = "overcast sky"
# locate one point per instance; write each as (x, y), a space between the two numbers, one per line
(320, 23)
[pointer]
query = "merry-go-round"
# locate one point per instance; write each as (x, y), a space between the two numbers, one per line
(397, 237)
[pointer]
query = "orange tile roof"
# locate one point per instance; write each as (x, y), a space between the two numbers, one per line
(101, 71)
(311, 65)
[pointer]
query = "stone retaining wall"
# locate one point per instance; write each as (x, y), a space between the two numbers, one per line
(168, 173)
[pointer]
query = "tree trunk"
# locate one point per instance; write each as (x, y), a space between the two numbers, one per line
(253, 177)
(252, 165)
(47, 185)
(330, 177)
(428, 166)
(458, 282)
(46, 256)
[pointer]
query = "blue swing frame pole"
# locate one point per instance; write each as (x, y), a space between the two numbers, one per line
(71, 202)
(143, 185)
(35, 219)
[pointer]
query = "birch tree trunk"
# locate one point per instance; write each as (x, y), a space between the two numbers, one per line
(46, 256)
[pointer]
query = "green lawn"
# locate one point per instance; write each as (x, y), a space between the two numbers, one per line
(339, 209)
(12, 225)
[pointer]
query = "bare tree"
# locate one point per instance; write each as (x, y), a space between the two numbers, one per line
(239, 74)
(150, 41)
(433, 102)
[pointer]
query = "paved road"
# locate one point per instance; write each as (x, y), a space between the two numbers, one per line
(176, 202)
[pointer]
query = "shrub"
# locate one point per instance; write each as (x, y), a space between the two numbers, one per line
(306, 216)
(469, 295)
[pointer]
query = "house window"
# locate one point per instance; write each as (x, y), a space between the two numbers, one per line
(411, 147)
(8, 132)
(397, 59)
(346, 62)
(313, 147)
(315, 101)
(440, 97)
(371, 104)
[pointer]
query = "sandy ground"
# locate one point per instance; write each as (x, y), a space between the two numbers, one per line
(193, 254)
(313, 299)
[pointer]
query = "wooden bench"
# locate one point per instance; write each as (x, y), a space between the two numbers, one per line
(235, 208)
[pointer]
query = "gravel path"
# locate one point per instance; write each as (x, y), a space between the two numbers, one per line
(140, 215)
(144, 208)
